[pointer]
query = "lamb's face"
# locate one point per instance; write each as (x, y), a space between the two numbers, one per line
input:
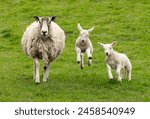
(44, 24)
(108, 48)
(84, 36)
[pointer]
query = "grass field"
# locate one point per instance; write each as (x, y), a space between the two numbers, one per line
(127, 21)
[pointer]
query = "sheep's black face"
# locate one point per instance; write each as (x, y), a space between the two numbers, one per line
(44, 23)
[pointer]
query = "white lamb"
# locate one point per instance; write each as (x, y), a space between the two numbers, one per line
(43, 39)
(116, 60)
(84, 45)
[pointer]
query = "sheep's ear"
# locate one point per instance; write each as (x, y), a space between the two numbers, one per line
(100, 44)
(79, 27)
(36, 18)
(90, 30)
(113, 43)
(53, 18)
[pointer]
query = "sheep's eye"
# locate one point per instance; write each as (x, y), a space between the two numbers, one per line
(110, 48)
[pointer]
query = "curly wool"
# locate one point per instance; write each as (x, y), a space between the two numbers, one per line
(34, 45)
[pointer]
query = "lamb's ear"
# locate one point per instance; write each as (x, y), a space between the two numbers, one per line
(100, 44)
(90, 30)
(36, 18)
(53, 18)
(79, 27)
(113, 43)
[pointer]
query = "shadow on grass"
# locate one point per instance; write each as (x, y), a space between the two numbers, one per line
(114, 81)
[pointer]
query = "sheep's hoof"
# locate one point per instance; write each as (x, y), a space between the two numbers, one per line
(81, 67)
(111, 79)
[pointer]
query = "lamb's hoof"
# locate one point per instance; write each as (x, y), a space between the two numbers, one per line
(89, 64)
(81, 67)
(37, 82)
(45, 80)
(120, 81)
(111, 79)
(78, 62)
(90, 58)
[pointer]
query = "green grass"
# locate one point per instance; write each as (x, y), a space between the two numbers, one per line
(126, 21)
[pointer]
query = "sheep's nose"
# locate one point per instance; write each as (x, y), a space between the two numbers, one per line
(44, 32)
(82, 40)
(107, 53)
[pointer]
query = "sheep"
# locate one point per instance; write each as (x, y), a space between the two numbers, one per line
(83, 45)
(116, 61)
(45, 40)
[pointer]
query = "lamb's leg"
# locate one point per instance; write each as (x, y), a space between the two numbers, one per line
(125, 73)
(36, 71)
(121, 73)
(89, 55)
(78, 51)
(129, 69)
(109, 71)
(129, 74)
(46, 72)
(82, 61)
(118, 71)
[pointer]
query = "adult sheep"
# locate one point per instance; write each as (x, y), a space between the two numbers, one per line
(43, 39)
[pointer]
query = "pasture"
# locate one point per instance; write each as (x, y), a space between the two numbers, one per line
(127, 21)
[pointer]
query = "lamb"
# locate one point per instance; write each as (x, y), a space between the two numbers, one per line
(117, 61)
(43, 39)
(84, 45)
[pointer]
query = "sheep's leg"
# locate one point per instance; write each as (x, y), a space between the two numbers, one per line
(36, 71)
(82, 61)
(118, 71)
(46, 72)
(109, 72)
(78, 51)
(89, 55)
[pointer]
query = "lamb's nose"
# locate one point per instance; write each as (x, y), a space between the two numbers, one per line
(107, 53)
(82, 40)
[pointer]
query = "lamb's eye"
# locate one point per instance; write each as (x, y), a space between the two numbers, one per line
(110, 48)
